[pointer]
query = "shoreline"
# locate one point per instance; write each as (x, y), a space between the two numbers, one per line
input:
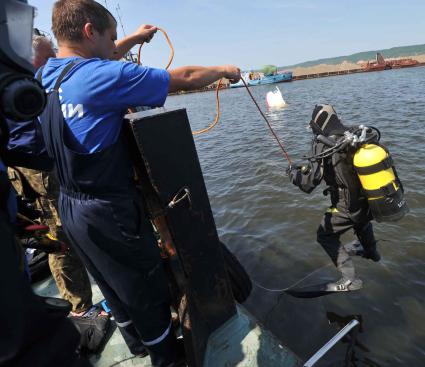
(325, 70)
(346, 72)
(342, 67)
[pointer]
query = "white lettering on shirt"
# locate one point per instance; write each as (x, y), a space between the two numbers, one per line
(72, 110)
(69, 110)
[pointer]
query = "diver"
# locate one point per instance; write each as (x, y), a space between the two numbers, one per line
(349, 205)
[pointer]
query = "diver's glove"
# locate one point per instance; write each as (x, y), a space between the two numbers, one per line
(288, 170)
(295, 171)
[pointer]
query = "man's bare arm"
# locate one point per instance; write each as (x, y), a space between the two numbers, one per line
(143, 34)
(195, 77)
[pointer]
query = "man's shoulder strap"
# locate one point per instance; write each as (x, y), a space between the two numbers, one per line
(62, 75)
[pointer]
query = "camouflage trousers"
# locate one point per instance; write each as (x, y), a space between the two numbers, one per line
(67, 269)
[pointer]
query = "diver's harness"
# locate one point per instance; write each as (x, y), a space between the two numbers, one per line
(362, 135)
(374, 167)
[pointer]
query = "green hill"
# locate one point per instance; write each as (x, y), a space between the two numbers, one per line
(402, 51)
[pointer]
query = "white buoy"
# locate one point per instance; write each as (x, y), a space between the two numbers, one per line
(275, 99)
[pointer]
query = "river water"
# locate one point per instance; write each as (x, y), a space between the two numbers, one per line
(271, 225)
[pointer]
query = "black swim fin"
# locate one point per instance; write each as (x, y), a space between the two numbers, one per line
(324, 289)
(310, 291)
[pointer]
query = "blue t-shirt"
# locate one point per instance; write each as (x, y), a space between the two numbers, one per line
(95, 95)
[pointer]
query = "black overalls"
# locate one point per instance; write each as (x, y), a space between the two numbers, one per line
(102, 217)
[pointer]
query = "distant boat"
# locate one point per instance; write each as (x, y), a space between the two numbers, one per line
(382, 64)
(270, 79)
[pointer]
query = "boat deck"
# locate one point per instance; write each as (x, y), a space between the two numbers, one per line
(115, 352)
(240, 342)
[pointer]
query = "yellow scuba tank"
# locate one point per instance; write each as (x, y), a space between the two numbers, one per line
(378, 177)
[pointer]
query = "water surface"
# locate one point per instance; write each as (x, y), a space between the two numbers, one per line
(271, 225)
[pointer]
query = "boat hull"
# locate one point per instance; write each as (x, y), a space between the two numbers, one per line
(243, 342)
(272, 79)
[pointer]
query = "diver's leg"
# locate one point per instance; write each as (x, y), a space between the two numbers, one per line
(333, 225)
(366, 237)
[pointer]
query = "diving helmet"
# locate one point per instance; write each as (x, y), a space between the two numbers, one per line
(324, 121)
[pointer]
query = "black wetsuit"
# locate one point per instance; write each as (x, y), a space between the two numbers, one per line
(349, 208)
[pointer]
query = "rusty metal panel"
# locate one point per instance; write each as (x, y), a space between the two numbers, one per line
(170, 161)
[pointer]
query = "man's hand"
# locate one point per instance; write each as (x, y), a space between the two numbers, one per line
(233, 73)
(144, 33)
(195, 77)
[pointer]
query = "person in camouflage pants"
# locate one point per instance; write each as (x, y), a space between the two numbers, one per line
(68, 272)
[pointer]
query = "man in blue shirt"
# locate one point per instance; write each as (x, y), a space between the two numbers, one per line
(99, 206)
(94, 102)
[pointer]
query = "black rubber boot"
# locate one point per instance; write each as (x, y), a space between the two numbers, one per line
(168, 353)
(133, 340)
(372, 254)
(368, 241)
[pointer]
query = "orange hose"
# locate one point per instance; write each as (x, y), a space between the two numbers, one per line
(170, 60)
(217, 116)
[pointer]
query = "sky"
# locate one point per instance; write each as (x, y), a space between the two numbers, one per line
(251, 34)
